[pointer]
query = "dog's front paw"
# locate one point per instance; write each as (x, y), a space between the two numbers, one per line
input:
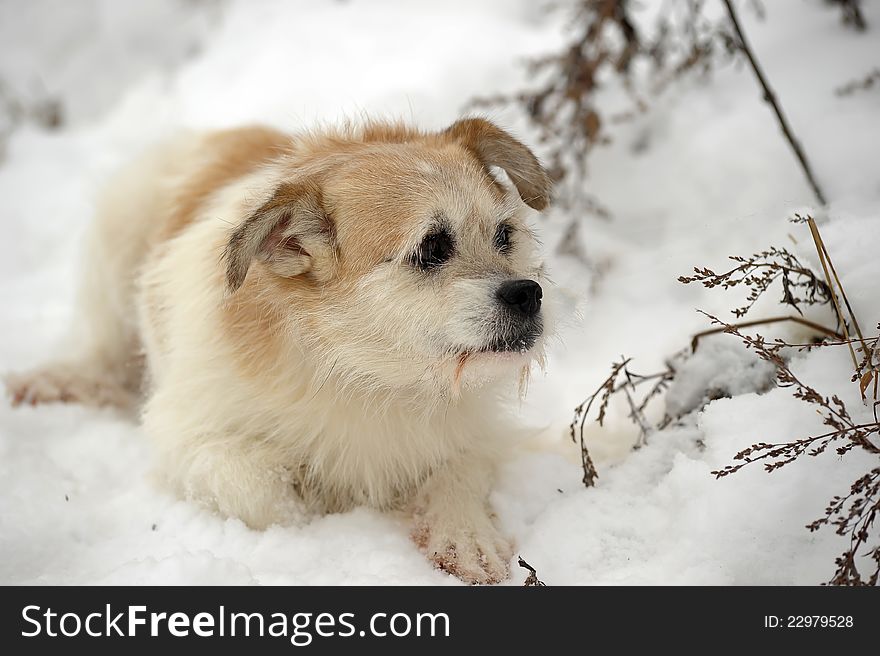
(476, 553)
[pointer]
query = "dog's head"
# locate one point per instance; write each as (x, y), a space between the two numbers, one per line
(399, 258)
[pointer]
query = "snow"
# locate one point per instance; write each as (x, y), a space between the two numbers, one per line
(77, 504)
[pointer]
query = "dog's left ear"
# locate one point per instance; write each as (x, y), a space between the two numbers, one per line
(286, 233)
(495, 147)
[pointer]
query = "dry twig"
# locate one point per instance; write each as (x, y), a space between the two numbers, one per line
(770, 97)
(532, 579)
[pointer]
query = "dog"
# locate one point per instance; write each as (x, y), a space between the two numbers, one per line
(316, 321)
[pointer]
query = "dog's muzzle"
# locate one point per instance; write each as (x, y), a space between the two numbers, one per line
(520, 320)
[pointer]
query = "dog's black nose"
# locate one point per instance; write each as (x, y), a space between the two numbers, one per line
(524, 296)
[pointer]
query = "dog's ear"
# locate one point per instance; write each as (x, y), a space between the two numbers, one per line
(495, 147)
(286, 233)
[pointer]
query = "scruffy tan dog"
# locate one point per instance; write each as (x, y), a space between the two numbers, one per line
(319, 321)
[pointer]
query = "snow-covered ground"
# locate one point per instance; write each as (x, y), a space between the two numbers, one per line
(76, 501)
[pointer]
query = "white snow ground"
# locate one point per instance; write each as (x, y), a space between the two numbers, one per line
(76, 503)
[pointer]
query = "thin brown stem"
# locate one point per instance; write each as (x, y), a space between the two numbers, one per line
(849, 309)
(813, 438)
(637, 416)
(770, 97)
(820, 248)
(758, 322)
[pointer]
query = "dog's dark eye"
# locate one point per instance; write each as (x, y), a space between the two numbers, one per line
(502, 237)
(435, 249)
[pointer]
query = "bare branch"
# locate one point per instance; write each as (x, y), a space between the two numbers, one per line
(532, 579)
(759, 322)
(770, 97)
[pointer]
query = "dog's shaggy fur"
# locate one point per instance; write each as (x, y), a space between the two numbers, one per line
(315, 322)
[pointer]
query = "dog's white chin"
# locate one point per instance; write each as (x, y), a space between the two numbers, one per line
(500, 358)
(481, 367)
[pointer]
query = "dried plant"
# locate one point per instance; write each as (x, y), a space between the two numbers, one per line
(532, 579)
(564, 107)
(771, 99)
(854, 514)
(629, 383)
(860, 84)
(606, 44)
(868, 369)
(687, 41)
(832, 410)
(854, 521)
(43, 110)
(851, 13)
(857, 518)
(758, 272)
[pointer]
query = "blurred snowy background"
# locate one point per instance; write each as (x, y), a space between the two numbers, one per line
(703, 174)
